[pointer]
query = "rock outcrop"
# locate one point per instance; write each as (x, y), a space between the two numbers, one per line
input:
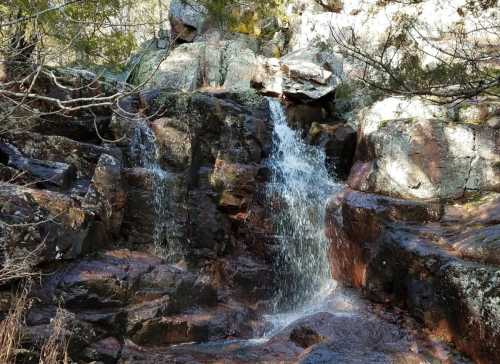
(210, 148)
(187, 19)
(418, 224)
(304, 75)
(228, 64)
(412, 150)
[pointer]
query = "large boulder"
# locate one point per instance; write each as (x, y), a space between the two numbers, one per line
(227, 64)
(410, 149)
(306, 74)
(440, 261)
(187, 18)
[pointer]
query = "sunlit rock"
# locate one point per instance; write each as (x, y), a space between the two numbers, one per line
(418, 151)
(186, 18)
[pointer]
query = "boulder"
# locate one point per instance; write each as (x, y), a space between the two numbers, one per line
(438, 260)
(228, 64)
(187, 19)
(409, 149)
(184, 288)
(179, 70)
(83, 156)
(46, 172)
(306, 74)
(106, 282)
(200, 326)
(40, 226)
(238, 66)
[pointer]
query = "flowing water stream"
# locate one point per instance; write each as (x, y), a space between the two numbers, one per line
(299, 190)
(300, 187)
(146, 153)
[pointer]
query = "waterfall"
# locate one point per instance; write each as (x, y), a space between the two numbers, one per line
(145, 152)
(299, 189)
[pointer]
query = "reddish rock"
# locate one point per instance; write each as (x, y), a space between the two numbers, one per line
(223, 322)
(439, 261)
(424, 158)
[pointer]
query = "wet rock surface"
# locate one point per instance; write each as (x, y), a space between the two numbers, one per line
(212, 146)
(437, 260)
(418, 223)
(351, 331)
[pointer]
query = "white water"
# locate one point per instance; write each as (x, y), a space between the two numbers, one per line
(300, 187)
(146, 153)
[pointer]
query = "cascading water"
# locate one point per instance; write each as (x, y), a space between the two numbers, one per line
(146, 153)
(299, 189)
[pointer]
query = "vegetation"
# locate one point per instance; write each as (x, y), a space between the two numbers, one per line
(52, 45)
(410, 63)
(242, 16)
(11, 327)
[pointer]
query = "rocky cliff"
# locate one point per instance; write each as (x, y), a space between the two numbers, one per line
(151, 225)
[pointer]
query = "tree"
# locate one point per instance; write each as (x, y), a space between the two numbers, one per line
(409, 62)
(47, 48)
(232, 13)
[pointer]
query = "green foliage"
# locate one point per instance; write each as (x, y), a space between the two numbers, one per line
(475, 5)
(67, 32)
(415, 75)
(243, 16)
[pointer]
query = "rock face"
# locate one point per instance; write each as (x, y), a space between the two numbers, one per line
(186, 19)
(438, 260)
(339, 144)
(418, 223)
(227, 64)
(60, 220)
(48, 223)
(131, 294)
(213, 145)
(210, 147)
(305, 74)
(412, 150)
